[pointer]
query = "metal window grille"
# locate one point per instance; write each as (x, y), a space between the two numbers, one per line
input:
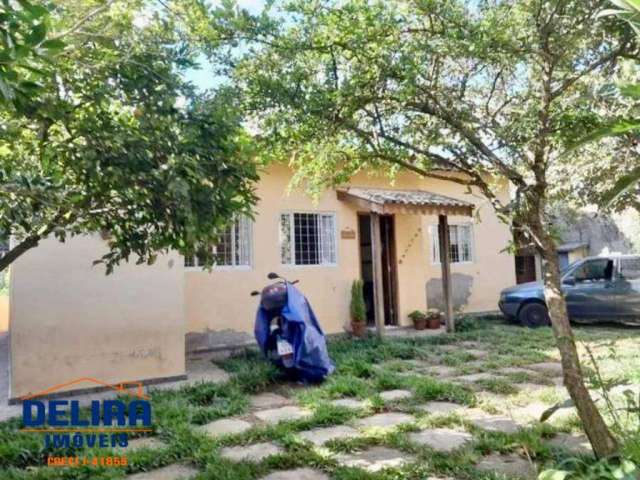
(307, 239)
(232, 248)
(460, 245)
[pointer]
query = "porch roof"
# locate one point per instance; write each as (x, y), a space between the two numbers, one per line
(387, 201)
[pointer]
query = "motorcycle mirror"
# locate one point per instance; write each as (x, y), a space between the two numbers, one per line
(273, 276)
(254, 293)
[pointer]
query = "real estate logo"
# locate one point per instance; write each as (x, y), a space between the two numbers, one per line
(103, 423)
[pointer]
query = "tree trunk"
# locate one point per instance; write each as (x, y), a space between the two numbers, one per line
(603, 442)
(27, 244)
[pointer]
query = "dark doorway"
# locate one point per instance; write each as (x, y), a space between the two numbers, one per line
(389, 271)
(525, 268)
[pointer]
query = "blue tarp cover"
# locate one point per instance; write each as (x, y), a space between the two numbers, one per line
(301, 329)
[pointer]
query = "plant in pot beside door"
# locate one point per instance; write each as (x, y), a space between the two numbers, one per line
(434, 318)
(419, 319)
(358, 309)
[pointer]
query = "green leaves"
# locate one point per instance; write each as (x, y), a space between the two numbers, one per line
(116, 143)
(606, 469)
(26, 54)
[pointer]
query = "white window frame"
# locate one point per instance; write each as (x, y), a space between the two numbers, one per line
(290, 214)
(249, 244)
(434, 251)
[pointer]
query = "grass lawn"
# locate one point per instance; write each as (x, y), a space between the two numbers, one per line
(442, 369)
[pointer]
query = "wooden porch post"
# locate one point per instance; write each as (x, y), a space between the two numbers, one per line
(445, 263)
(376, 258)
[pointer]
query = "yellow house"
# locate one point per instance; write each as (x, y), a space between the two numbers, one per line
(68, 320)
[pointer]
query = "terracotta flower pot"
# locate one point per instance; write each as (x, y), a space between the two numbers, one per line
(359, 329)
(420, 323)
(433, 323)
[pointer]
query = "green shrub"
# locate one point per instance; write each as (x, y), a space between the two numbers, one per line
(466, 324)
(358, 308)
(578, 469)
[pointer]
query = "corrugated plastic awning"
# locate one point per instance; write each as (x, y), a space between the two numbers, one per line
(388, 201)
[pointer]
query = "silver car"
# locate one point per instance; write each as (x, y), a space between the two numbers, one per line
(597, 289)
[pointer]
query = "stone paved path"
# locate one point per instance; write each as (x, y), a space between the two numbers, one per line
(441, 439)
(547, 368)
(268, 400)
(252, 453)
(350, 403)
(496, 423)
(512, 465)
(395, 395)
(297, 474)
(375, 459)
(225, 426)
(171, 472)
(144, 442)
(441, 408)
(320, 436)
(575, 444)
(282, 414)
(385, 420)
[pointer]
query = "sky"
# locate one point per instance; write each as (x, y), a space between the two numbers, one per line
(203, 76)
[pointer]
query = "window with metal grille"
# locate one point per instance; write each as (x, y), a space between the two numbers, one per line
(308, 238)
(232, 249)
(461, 243)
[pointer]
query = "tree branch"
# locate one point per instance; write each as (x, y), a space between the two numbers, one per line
(88, 17)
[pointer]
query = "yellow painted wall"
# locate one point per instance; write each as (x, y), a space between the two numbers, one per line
(69, 320)
(219, 300)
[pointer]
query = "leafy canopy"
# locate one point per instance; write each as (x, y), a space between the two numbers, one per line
(117, 142)
(485, 88)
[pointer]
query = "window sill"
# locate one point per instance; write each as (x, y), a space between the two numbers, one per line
(469, 262)
(297, 267)
(243, 268)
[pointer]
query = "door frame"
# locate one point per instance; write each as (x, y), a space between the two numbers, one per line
(389, 288)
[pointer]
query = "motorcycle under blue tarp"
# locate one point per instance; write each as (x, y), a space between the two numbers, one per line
(301, 329)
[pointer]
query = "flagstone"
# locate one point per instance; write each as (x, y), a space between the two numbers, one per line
(440, 408)
(320, 436)
(385, 420)
(511, 465)
(513, 370)
(297, 474)
(475, 377)
(350, 403)
(375, 459)
(276, 415)
(252, 453)
(476, 353)
(442, 371)
(531, 387)
(225, 426)
(550, 368)
(531, 411)
(394, 395)
(268, 400)
(171, 472)
(441, 439)
(575, 444)
(143, 442)
(496, 423)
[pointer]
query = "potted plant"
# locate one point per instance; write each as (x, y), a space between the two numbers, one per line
(419, 319)
(434, 318)
(358, 309)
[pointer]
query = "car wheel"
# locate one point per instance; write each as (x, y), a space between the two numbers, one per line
(534, 315)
